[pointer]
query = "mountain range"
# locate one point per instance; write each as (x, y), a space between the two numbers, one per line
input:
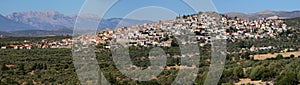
(264, 14)
(36, 22)
(10, 25)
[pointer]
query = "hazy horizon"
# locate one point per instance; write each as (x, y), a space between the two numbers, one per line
(144, 19)
(122, 8)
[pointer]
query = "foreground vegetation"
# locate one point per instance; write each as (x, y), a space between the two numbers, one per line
(55, 66)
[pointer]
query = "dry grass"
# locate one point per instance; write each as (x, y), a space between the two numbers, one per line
(266, 56)
(247, 80)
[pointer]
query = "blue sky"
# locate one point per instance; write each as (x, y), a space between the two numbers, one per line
(251, 6)
(123, 7)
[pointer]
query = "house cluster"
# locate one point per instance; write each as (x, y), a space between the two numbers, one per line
(63, 43)
(254, 29)
(20, 46)
(203, 27)
(44, 43)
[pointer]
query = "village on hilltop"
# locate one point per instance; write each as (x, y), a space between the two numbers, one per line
(163, 33)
